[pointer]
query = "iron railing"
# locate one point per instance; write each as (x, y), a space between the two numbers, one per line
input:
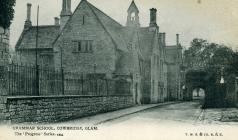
(23, 80)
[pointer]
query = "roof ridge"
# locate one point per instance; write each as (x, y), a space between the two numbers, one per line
(104, 14)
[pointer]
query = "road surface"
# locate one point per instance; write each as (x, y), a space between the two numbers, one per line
(185, 112)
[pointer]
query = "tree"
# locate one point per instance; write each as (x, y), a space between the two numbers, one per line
(213, 57)
(6, 12)
(197, 53)
(233, 65)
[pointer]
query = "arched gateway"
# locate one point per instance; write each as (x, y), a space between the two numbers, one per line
(214, 91)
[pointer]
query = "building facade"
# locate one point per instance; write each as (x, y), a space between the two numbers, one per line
(89, 41)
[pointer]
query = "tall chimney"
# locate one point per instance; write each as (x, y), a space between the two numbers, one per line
(153, 15)
(177, 39)
(69, 6)
(57, 23)
(28, 16)
(65, 12)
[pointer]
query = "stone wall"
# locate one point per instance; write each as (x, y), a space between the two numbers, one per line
(4, 45)
(47, 109)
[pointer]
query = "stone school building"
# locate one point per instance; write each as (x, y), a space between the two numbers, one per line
(89, 41)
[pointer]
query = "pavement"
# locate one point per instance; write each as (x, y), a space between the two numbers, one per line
(110, 116)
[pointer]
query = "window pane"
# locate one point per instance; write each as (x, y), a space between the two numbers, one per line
(83, 43)
(86, 46)
(79, 46)
(90, 46)
(83, 19)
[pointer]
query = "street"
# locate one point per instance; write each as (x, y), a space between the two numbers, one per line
(185, 120)
(185, 112)
(169, 121)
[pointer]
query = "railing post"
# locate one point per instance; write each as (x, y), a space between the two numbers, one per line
(82, 83)
(96, 86)
(9, 79)
(62, 78)
(3, 82)
(131, 84)
(37, 80)
(107, 87)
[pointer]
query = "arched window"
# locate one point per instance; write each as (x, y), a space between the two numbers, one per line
(133, 16)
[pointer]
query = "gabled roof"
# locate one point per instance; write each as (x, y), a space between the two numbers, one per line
(112, 27)
(47, 34)
(133, 7)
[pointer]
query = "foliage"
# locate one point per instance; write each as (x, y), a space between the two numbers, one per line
(6, 12)
(211, 57)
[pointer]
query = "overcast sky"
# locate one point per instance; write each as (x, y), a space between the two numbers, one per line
(214, 20)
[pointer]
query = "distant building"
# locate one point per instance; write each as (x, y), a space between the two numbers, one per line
(175, 75)
(89, 41)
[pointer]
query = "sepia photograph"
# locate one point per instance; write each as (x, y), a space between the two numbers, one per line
(118, 69)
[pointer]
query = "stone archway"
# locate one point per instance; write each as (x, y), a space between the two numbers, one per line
(194, 80)
(214, 92)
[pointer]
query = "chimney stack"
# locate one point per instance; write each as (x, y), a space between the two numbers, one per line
(153, 15)
(69, 6)
(57, 23)
(177, 39)
(28, 16)
(65, 12)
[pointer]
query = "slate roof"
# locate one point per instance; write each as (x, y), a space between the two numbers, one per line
(146, 40)
(47, 34)
(128, 34)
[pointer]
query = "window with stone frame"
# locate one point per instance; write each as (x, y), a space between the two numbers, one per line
(83, 46)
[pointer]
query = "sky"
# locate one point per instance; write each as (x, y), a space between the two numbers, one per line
(214, 20)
